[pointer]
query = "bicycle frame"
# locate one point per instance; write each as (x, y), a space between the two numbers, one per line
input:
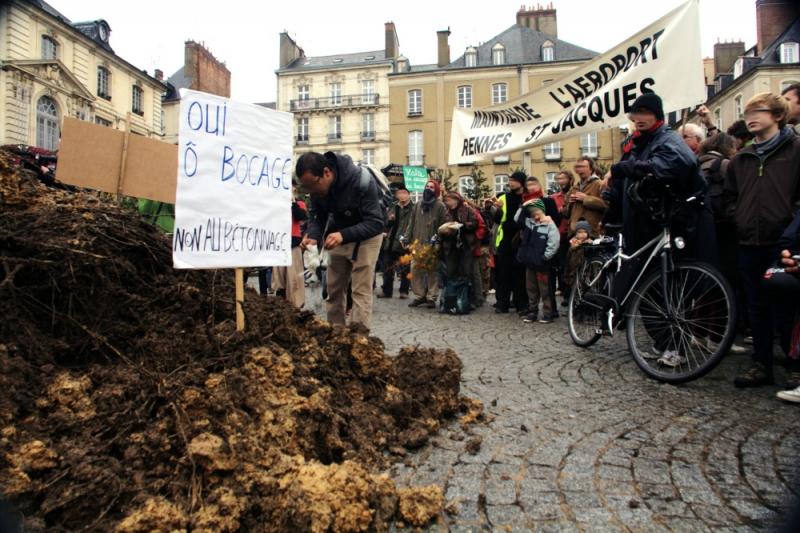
(659, 244)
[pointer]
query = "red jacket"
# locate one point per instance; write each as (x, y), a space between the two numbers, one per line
(561, 200)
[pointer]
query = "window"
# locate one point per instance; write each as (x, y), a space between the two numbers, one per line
(136, 100)
(49, 47)
(789, 52)
(552, 151)
(551, 185)
(737, 107)
(103, 83)
(466, 185)
(415, 102)
(369, 156)
(499, 93)
(336, 94)
(471, 57)
(47, 124)
(102, 122)
(302, 92)
(589, 144)
(368, 125)
(500, 183)
(335, 128)
(718, 119)
(737, 67)
(498, 54)
(302, 130)
(465, 96)
(416, 156)
(548, 51)
(368, 92)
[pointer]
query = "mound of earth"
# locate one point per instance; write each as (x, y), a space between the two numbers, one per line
(129, 402)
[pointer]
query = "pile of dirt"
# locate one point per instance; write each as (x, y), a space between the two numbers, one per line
(129, 402)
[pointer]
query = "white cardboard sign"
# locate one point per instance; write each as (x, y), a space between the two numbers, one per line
(234, 188)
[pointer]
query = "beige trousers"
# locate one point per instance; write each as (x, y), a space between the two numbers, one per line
(424, 284)
(291, 279)
(342, 270)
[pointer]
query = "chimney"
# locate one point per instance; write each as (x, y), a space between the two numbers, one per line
(539, 18)
(725, 55)
(392, 42)
(443, 47)
(772, 18)
(159, 74)
(289, 51)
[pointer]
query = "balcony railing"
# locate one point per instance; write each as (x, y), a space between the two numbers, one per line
(334, 137)
(335, 102)
(552, 154)
(415, 112)
(415, 160)
(302, 139)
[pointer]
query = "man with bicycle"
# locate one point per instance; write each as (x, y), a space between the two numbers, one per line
(657, 162)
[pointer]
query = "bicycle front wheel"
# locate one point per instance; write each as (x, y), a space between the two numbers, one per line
(584, 318)
(681, 332)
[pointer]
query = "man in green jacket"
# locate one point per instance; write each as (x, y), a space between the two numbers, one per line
(394, 245)
(427, 216)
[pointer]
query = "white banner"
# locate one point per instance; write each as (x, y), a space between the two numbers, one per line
(663, 58)
(233, 202)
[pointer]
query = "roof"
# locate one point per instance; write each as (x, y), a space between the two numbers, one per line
(91, 29)
(177, 81)
(50, 9)
(523, 46)
(336, 61)
(771, 56)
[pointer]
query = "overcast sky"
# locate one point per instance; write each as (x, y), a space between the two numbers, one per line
(244, 34)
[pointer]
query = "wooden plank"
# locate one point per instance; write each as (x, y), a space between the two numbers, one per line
(239, 273)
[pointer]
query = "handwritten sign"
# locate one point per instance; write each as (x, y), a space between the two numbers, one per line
(233, 200)
(415, 178)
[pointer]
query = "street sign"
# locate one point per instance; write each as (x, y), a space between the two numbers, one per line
(415, 178)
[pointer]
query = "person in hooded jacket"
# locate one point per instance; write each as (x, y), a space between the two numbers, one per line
(348, 221)
(426, 217)
(762, 194)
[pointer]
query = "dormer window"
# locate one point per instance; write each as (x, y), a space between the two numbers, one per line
(738, 67)
(789, 52)
(49, 47)
(103, 31)
(548, 51)
(471, 57)
(498, 54)
(402, 64)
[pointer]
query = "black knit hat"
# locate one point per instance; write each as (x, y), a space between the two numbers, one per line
(518, 176)
(651, 102)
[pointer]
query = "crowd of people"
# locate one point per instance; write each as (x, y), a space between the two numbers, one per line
(525, 246)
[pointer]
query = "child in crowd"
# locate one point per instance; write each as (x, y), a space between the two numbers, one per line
(538, 246)
(575, 254)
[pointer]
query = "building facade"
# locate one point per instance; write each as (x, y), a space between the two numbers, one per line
(525, 57)
(772, 64)
(51, 67)
(340, 102)
(201, 71)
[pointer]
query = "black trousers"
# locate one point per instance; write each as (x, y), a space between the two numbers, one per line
(391, 265)
(510, 280)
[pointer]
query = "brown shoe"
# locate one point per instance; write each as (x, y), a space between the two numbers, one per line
(381, 295)
(430, 304)
(417, 302)
(403, 296)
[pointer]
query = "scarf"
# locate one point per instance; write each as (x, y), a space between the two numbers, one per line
(638, 135)
(429, 196)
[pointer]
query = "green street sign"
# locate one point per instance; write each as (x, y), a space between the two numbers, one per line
(415, 178)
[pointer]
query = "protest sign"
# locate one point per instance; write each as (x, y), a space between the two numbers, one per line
(415, 178)
(663, 58)
(233, 199)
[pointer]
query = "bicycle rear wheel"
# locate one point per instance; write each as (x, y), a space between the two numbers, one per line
(584, 318)
(681, 333)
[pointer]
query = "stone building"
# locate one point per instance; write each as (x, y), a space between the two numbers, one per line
(51, 67)
(772, 64)
(525, 57)
(341, 101)
(201, 71)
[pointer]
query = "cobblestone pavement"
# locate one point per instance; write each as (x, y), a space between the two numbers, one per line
(581, 440)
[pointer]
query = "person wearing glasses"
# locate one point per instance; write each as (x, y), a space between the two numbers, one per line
(348, 222)
(761, 194)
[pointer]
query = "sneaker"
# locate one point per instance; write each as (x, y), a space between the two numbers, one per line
(671, 358)
(416, 302)
(653, 353)
(712, 346)
(530, 318)
(755, 376)
(523, 312)
(492, 291)
(546, 320)
(790, 395)
(748, 339)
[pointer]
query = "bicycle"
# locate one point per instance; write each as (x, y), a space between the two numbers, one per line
(679, 316)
